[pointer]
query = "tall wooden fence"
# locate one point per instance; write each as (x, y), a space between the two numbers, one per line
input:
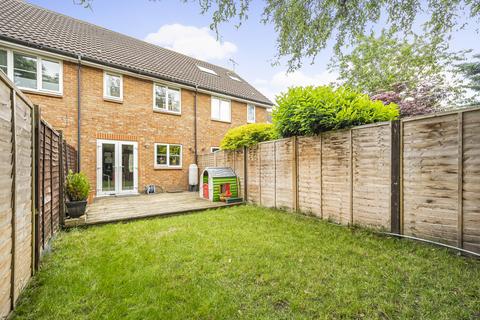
(419, 176)
(31, 193)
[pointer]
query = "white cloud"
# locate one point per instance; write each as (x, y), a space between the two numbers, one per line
(281, 81)
(192, 41)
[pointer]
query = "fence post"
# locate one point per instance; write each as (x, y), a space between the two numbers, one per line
(351, 176)
(275, 174)
(44, 129)
(460, 181)
(295, 173)
(37, 185)
(13, 203)
(321, 176)
(61, 181)
(259, 156)
(51, 182)
(245, 174)
(395, 163)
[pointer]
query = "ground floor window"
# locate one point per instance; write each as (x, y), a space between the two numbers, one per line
(168, 155)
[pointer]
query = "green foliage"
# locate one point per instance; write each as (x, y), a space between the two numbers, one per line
(248, 135)
(311, 110)
(471, 71)
(305, 27)
(379, 64)
(77, 186)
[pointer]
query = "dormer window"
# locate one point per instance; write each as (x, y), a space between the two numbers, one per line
(207, 70)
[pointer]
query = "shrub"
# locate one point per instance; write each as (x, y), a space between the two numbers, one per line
(311, 110)
(248, 135)
(77, 186)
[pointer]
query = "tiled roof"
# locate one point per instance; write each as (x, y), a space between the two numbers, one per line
(33, 26)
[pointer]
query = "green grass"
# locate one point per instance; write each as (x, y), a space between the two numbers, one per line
(247, 262)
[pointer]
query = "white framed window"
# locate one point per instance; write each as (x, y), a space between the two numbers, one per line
(250, 113)
(214, 149)
(112, 86)
(167, 99)
(221, 109)
(3, 61)
(31, 72)
(168, 155)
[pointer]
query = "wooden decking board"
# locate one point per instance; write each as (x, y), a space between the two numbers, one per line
(115, 209)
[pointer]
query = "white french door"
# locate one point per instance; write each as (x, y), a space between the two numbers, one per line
(117, 167)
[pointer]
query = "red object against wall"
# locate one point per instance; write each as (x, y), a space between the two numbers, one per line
(205, 190)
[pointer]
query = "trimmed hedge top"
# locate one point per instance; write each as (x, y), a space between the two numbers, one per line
(304, 111)
(248, 135)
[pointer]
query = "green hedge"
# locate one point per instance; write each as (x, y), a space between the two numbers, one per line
(248, 135)
(310, 110)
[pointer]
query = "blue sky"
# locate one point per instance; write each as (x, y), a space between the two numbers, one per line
(180, 26)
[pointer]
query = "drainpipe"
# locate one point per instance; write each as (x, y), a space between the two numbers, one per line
(195, 151)
(79, 119)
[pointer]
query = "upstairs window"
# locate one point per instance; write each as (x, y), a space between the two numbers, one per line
(168, 155)
(3, 61)
(112, 86)
(250, 113)
(50, 75)
(25, 71)
(221, 109)
(31, 72)
(167, 99)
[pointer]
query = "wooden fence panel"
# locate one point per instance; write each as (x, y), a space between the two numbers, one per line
(5, 198)
(471, 181)
(267, 174)
(238, 166)
(310, 175)
(371, 176)
(253, 172)
(23, 194)
(430, 178)
(336, 176)
(284, 158)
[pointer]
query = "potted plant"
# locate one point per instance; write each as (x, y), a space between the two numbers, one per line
(77, 188)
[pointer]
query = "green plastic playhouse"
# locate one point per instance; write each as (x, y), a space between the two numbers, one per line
(219, 184)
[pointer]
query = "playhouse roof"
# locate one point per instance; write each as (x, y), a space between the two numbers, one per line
(220, 172)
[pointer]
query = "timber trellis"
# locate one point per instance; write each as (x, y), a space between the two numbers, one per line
(32, 156)
(417, 176)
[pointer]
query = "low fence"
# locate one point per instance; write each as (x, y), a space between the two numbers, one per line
(418, 176)
(31, 179)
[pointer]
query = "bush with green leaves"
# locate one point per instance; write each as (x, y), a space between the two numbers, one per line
(248, 135)
(304, 111)
(77, 186)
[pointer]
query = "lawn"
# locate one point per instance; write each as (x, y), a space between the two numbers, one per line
(247, 262)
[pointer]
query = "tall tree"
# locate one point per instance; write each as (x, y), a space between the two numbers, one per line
(414, 72)
(471, 71)
(304, 27)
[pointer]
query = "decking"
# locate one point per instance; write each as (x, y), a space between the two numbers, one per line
(114, 209)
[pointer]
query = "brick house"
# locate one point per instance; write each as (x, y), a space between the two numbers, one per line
(137, 113)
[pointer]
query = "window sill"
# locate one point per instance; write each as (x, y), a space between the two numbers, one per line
(167, 168)
(168, 112)
(250, 122)
(113, 100)
(222, 121)
(42, 93)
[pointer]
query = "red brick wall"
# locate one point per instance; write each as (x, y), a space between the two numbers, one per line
(135, 120)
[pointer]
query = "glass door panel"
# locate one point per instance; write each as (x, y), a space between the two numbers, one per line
(108, 167)
(127, 167)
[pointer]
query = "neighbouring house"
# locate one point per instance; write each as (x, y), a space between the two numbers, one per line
(137, 113)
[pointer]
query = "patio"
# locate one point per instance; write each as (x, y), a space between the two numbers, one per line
(114, 209)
